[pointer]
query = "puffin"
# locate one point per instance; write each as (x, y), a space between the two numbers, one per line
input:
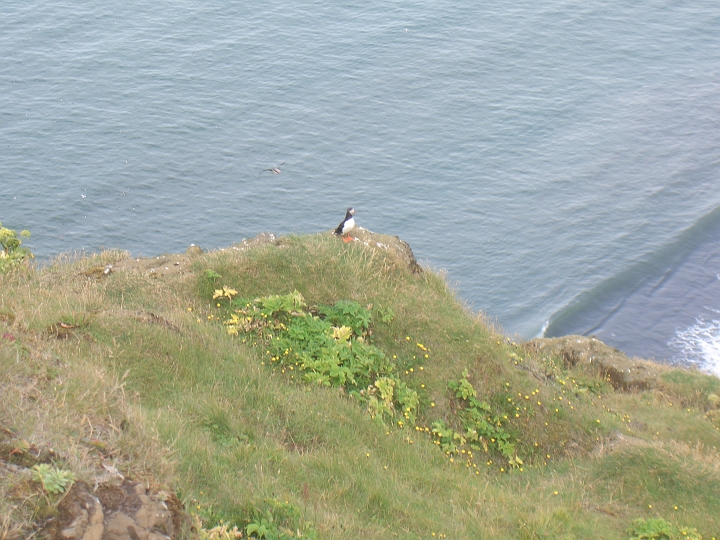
(347, 225)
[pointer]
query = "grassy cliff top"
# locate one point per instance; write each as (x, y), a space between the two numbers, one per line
(304, 387)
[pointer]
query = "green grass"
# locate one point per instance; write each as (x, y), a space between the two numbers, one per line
(173, 399)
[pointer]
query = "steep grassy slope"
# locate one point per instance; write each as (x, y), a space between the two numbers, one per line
(139, 372)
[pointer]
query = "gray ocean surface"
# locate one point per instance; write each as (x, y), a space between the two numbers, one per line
(561, 160)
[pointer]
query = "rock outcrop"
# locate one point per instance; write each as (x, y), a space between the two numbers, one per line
(399, 250)
(116, 512)
(623, 372)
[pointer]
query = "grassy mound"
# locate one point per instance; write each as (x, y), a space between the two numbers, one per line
(315, 389)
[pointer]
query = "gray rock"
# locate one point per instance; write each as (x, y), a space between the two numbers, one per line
(126, 511)
(262, 239)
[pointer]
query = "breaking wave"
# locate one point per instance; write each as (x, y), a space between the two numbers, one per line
(699, 344)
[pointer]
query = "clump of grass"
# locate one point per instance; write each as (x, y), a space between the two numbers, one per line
(658, 528)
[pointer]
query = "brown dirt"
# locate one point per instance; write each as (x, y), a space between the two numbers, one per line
(23, 454)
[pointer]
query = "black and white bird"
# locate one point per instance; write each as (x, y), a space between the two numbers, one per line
(347, 225)
(274, 170)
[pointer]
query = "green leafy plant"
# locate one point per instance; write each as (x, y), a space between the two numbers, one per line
(331, 348)
(278, 521)
(53, 480)
(482, 430)
(462, 388)
(212, 275)
(385, 315)
(12, 253)
(221, 432)
(658, 528)
(347, 313)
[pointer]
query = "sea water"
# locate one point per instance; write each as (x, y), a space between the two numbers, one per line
(560, 160)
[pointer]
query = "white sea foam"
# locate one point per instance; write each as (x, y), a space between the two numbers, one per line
(544, 329)
(700, 344)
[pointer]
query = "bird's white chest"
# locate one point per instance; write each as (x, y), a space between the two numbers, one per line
(348, 226)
